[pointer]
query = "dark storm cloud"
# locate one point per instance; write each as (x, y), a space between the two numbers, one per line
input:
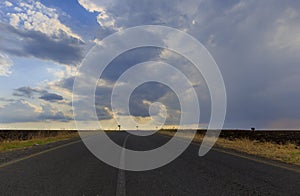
(29, 92)
(254, 43)
(120, 64)
(26, 43)
(52, 97)
(128, 59)
(151, 92)
(254, 47)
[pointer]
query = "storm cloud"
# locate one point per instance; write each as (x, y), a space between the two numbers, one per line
(29, 92)
(52, 97)
(255, 44)
(28, 43)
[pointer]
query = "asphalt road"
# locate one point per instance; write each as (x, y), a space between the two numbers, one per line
(73, 170)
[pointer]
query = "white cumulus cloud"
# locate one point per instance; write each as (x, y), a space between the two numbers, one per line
(104, 18)
(36, 16)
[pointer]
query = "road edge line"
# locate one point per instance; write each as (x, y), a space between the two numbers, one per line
(38, 153)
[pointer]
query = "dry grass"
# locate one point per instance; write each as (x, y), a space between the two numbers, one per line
(7, 145)
(288, 153)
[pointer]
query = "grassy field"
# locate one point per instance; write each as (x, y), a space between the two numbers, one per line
(11, 144)
(287, 152)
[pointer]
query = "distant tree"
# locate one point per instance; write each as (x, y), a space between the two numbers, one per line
(119, 126)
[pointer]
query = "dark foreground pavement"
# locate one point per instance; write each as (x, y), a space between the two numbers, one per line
(73, 170)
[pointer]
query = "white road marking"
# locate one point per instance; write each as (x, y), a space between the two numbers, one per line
(121, 185)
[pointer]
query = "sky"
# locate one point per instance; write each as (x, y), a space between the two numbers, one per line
(256, 45)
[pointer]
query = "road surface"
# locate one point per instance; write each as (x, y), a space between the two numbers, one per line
(73, 170)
